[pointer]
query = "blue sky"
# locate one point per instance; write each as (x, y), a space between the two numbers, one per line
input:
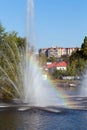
(60, 23)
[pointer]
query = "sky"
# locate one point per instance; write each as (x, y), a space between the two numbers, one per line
(61, 23)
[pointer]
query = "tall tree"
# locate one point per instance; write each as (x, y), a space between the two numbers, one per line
(84, 48)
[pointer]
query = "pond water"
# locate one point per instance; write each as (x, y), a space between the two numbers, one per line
(36, 119)
(22, 117)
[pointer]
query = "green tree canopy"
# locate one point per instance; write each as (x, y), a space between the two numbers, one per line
(84, 48)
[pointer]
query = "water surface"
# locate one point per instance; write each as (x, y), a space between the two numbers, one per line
(36, 119)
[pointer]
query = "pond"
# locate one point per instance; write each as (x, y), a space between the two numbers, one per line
(37, 119)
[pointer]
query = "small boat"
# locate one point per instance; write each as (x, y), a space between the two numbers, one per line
(72, 85)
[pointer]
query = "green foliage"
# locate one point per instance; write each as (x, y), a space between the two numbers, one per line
(78, 60)
(84, 48)
(52, 59)
(59, 73)
(10, 63)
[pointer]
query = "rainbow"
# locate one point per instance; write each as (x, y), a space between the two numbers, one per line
(60, 93)
(63, 98)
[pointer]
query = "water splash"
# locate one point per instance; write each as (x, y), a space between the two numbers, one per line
(36, 90)
(26, 77)
(83, 87)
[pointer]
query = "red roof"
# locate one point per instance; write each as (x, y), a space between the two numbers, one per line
(57, 64)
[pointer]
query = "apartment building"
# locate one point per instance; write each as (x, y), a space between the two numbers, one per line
(57, 51)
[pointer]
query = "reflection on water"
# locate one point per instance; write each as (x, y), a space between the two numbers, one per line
(70, 90)
(10, 120)
(41, 120)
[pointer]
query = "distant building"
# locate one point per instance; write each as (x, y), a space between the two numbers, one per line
(57, 51)
(56, 66)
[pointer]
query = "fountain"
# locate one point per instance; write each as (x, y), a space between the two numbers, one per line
(23, 74)
(35, 87)
(83, 90)
(37, 91)
(22, 78)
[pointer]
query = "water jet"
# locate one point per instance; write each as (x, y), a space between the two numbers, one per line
(28, 81)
